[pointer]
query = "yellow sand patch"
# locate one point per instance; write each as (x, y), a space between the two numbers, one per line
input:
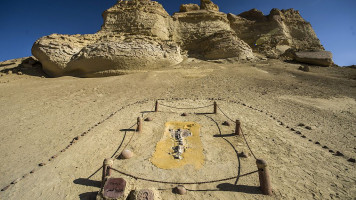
(193, 154)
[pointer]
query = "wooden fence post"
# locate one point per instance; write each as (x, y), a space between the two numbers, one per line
(238, 127)
(263, 175)
(156, 106)
(107, 164)
(215, 107)
(139, 125)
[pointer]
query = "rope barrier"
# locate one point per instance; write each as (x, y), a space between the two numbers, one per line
(225, 115)
(177, 183)
(186, 108)
(248, 144)
(241, 132)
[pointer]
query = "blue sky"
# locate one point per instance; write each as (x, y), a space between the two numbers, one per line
(22, 22)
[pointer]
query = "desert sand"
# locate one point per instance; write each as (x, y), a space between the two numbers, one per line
(42, 118)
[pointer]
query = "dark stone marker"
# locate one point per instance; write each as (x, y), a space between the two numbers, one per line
(145, 195)
(114, 188)
(226, 123)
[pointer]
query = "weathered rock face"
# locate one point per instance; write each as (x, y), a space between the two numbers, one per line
(139, 17)
(103, 55)
(192, 27)
(224, 44)
(140, 35)
(56, 51)
(208, 5)
(273, 34)
(188, 7)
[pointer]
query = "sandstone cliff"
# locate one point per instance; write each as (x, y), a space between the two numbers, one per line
(141, 35)
(271, 35)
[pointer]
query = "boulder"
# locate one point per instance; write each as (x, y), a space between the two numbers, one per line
(188, 7)
(322, 58)
(75, 56)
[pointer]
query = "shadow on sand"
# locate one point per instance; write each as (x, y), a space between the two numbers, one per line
(87, 182)
(88, 196)
(228, 187)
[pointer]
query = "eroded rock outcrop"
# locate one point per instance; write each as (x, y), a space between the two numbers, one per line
(188, 7)
(141, 35)
(103, 55)
(138, 17)
(273, 34)
(208, 5)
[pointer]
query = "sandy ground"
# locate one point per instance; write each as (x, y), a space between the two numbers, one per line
(41, 116)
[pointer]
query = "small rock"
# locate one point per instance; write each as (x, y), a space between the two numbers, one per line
(281, 123)
(9, 72)
(301, 124)
(338, 153)
(15, 181)
(243, 155)
(33, 171)
(310, 140)
(184, 114)
(331, 151)
(43, 77)
(55, 156)
(5, 188)
(292, 129)
(76, 138)
(304, 68)
(226, 123)
(303, 136)
(126, 154)
(42, 164)
(298, 132)
(317, 142)
(148, 119)
(325, 147)
(308, 127)
(144, 194)
(180, 189)
(351, 160)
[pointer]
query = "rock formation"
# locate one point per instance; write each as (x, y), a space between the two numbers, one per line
(273, 34)
(323, 58)
(140, 35)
